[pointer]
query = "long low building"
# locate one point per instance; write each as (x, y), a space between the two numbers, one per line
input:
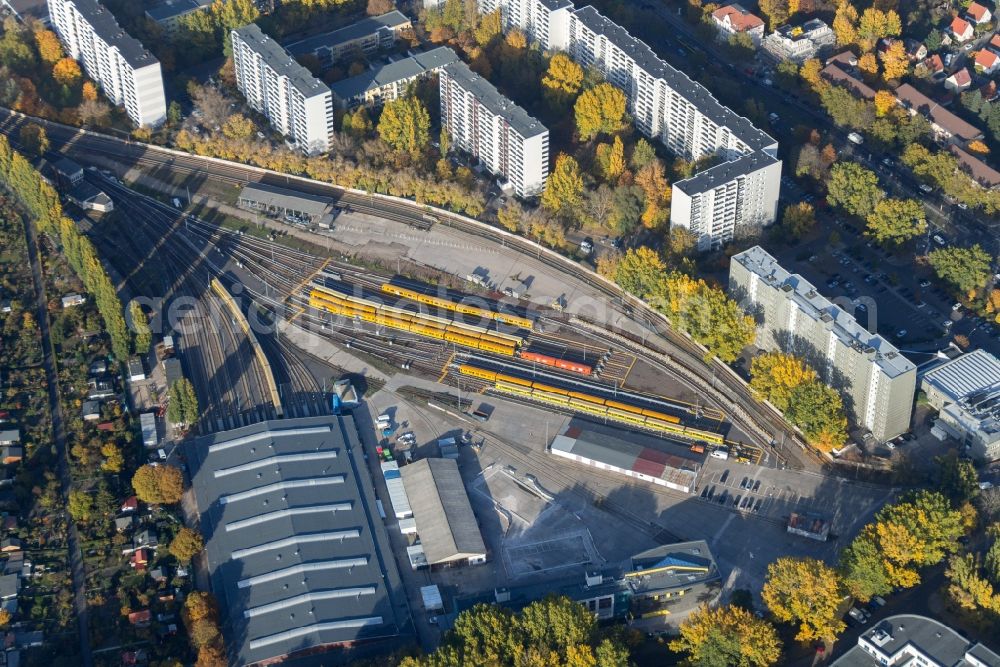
(367, 36)
(595, 446)
(288, 205)
(447, 526)
(297, 554)
(388, 82)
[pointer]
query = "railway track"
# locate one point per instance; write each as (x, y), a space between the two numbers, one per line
(687, 354)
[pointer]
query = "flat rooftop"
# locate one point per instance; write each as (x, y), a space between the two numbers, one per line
(287, 199)
(488, 96)
(819, 308)
(672, 566)
(905, 633)
(725, 172)
(104, 24)
(966, 375)
(401, 70)
(281, 61)
(297, 554)
(363, 28)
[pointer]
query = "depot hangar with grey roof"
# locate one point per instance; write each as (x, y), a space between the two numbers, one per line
(298, 556)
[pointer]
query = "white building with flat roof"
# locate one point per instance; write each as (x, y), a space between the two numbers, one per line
(735, 197)
(966, 393)
(876, 381)
(128, 74)
(299, 105)
(504, 138)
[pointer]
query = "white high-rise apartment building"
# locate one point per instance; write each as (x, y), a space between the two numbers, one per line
(499, 133)
(128, 74)
(876, 381)
(299, 105)
(737, 196)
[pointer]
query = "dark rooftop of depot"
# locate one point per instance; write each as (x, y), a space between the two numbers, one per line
(104, 24)
(277, 197)
(298, 556)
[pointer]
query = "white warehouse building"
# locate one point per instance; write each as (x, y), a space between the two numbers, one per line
(731, 199)
(299, 105)
(504, 138)
(128, 74)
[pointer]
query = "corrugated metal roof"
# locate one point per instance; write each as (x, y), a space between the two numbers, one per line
(283, 541)
(445, 521)
(964, 375)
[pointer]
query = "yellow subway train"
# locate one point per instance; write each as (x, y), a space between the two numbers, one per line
(414, 324)
(373, 306)
(446, 304)
(591, 404)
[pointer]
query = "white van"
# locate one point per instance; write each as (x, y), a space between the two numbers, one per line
(720, 453)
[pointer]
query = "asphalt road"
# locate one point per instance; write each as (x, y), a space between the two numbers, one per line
(59, 437)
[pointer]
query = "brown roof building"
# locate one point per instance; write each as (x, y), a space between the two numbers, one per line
(982, 173)
(945, 124)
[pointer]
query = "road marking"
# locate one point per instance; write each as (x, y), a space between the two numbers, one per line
(625, 377)
(307, 279)
(444, 369)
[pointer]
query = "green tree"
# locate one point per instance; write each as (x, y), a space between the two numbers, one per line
(640, 271)
(229, 15)
(798, 219)
(140, 327)
(611, 159)
(187, 544)
(564, 188)
(158, 485)
(917, 532)
(34, 139)
(600, 110)
(805, 591)
(853, 188)
(819, 411)
(114, 460)
(626, 209)
(775, 375)
(965, 269)
(81, 506)
(956, 478)
(405, 125)
(642, 154)
(727, 637)
(895, 221)
(562, 81)
(863, 568)
(182, 406)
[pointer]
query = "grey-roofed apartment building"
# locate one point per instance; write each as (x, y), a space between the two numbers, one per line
(446, 524)
(128, 74)
(966, 393)
(296, 551)
(908, 639)
(502, 135)
(298, 104)
(168, 14)
(388, 82)
(875, 379)
(369, 35)
(733, 199)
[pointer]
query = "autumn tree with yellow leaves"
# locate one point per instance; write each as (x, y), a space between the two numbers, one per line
(895, 62)
(845, 24)
(405, 125)
(885, 103)
(611, 159)
(774, 375)
(600, 110)
(805, 591)
(652, 179)
(67, 72)
(49, 48)
(730, 636)
(564, 187)
(562, 81)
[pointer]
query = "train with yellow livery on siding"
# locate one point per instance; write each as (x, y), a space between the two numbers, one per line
(429, 326)
(466, 309)
(591, 404)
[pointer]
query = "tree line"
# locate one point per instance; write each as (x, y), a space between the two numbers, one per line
(42, 202)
